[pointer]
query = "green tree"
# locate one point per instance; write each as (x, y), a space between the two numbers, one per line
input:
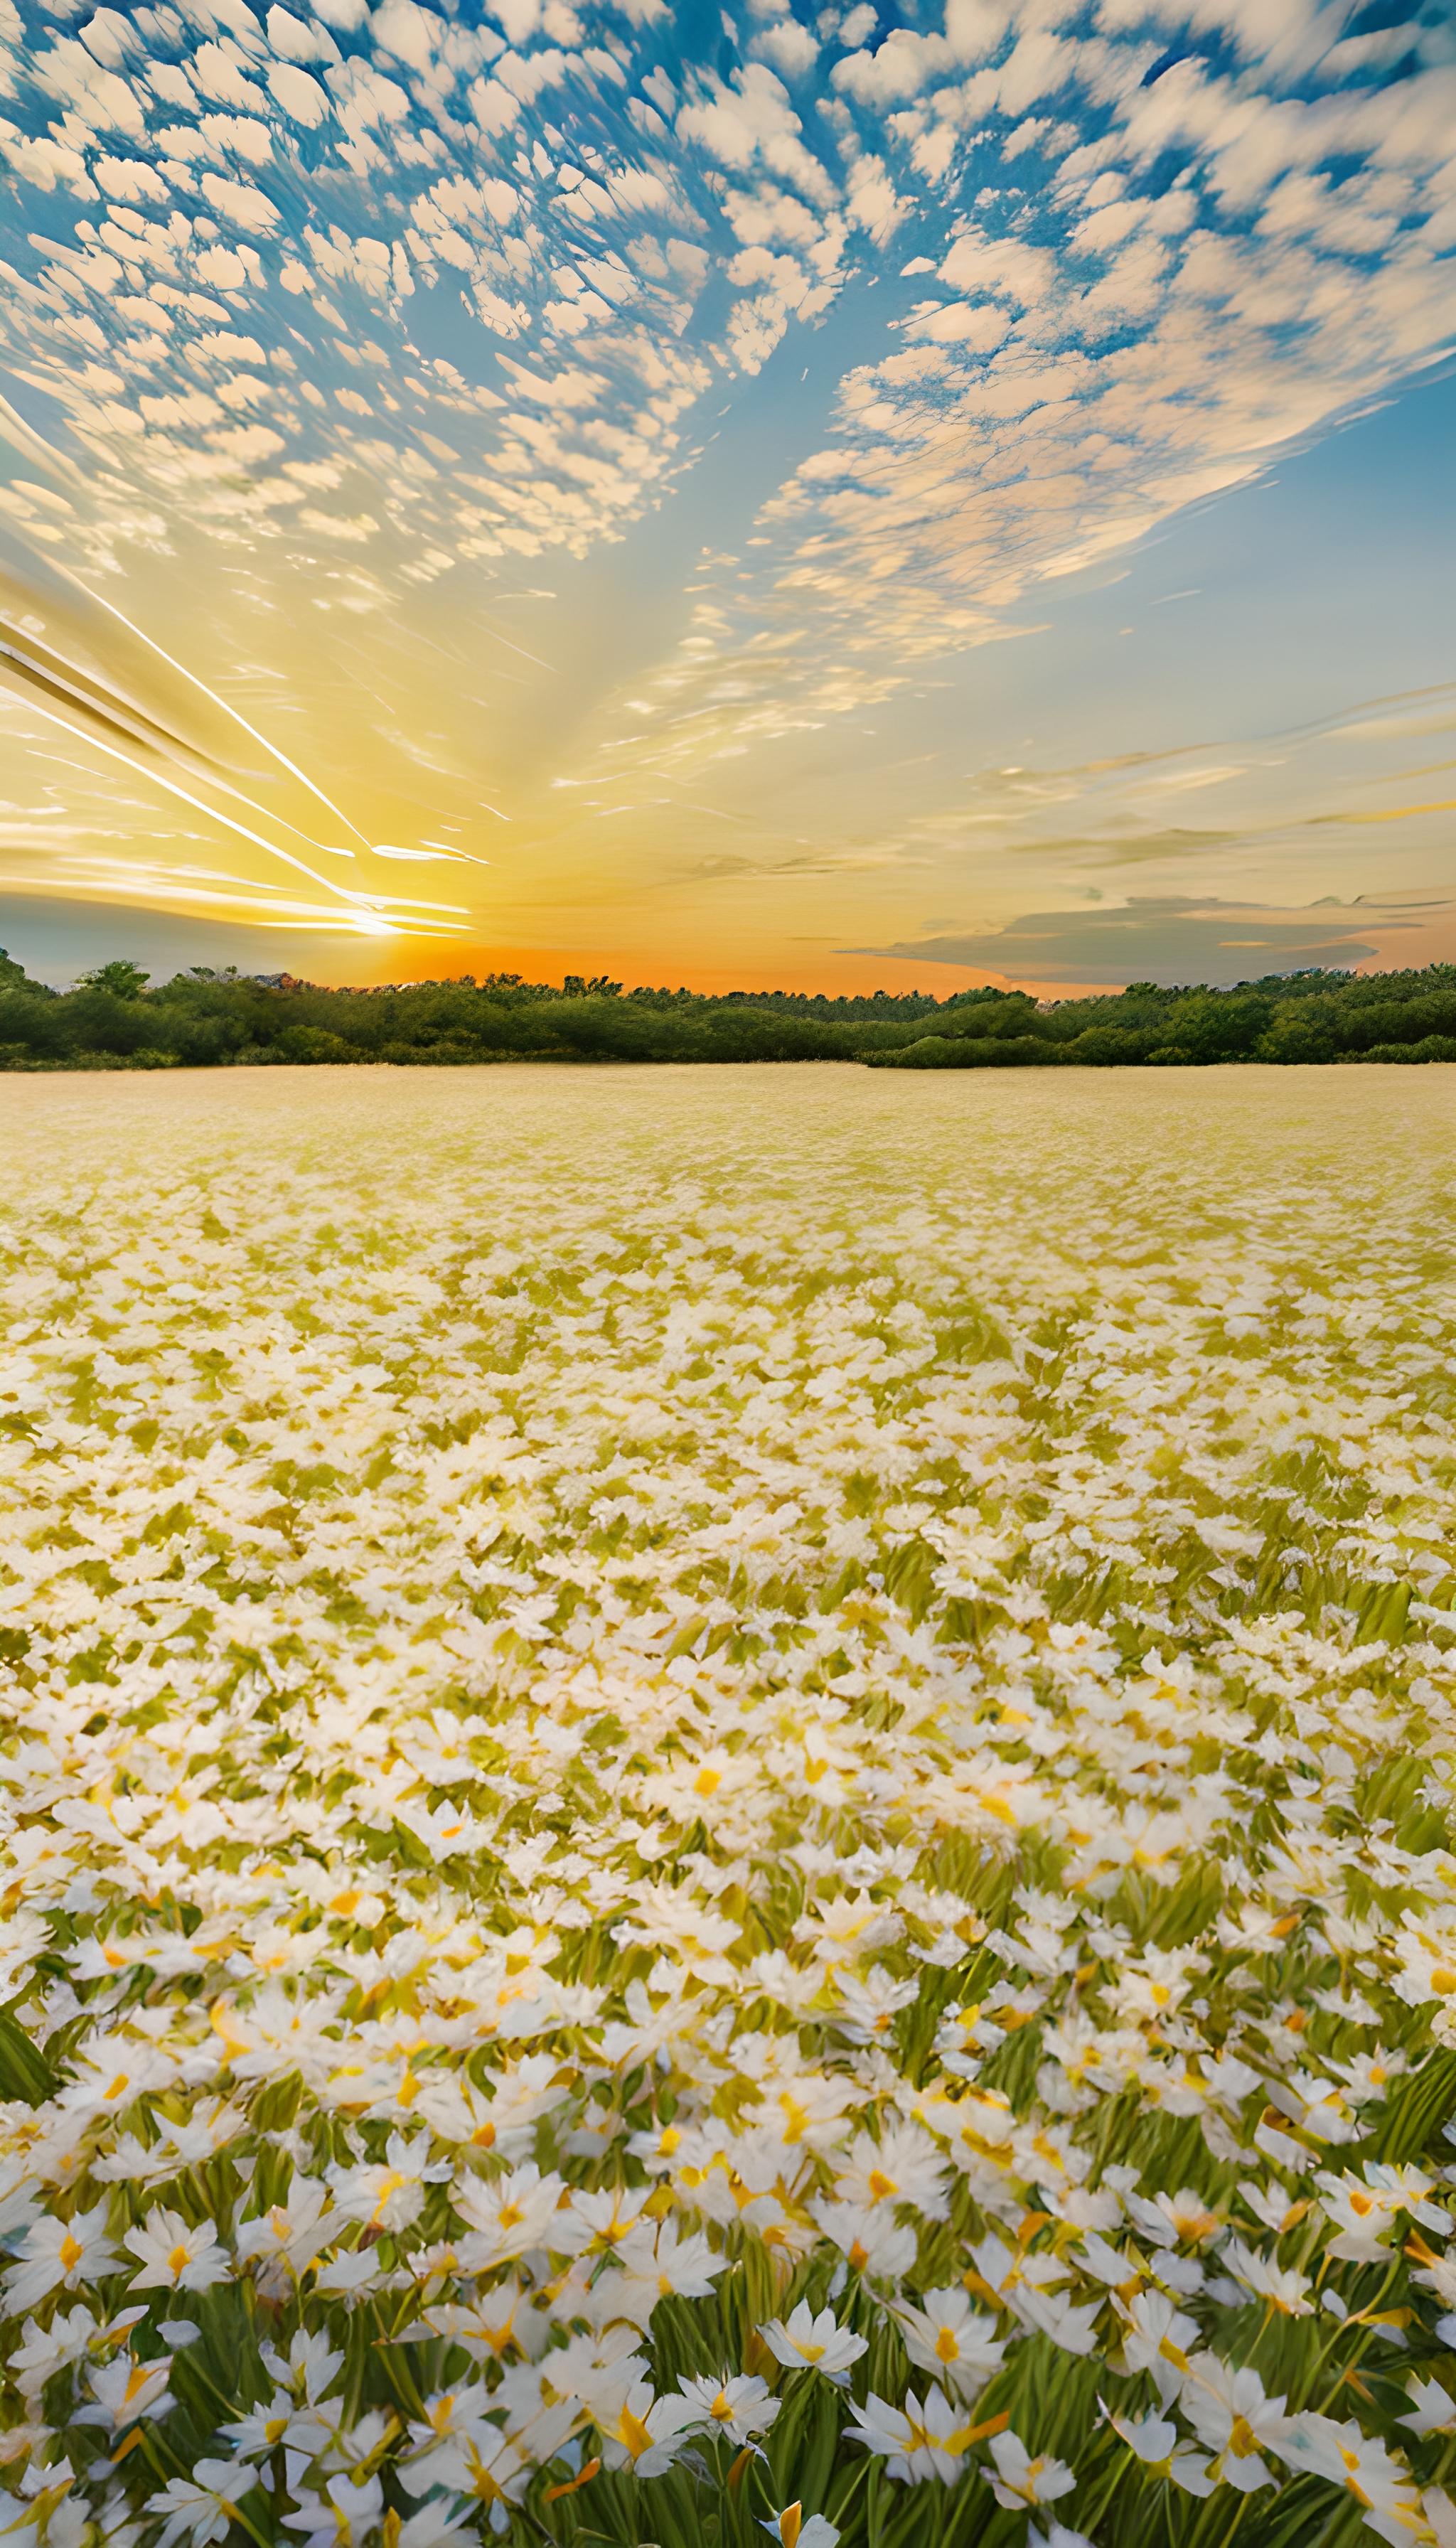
(123, 979)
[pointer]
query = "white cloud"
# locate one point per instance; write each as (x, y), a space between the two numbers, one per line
(1005, 267)
(959, 322)
(899, 68)
(221, 72)
(1088, 357)
(299, 94)
(223, 267)
(408, 32)
(94, 96)
(111, 40)
(245, 206)
(788, 47)
(45, 163)
(976, 27)
(130, 181)
(244, 137)
(364, 97)
(294, 39)
(751, 119)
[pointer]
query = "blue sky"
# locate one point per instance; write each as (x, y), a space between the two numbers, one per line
(779, 492)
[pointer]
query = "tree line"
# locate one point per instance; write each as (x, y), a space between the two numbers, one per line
(114, 1018)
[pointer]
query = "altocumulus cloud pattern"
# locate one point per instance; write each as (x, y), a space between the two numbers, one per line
(342, 314)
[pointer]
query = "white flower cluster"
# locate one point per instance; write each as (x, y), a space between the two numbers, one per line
(726, 1801)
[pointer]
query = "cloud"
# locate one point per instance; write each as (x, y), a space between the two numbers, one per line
(294, 39)
(1170, 939)
(789, 47)
(298, 93)
(255, 252)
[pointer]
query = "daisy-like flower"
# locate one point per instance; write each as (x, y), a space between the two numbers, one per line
(1234, 2421)
(875, 2246)
(126, 2391)
(816, 2339)
(264, 2428)
(924, 2438)
(949, 2337)
(737, 2406)
(1362, 2465)
(174, 2256)
(199, 2508)
(597, 2223)
(283, 2241)
(1156, 2442)
(72, 2335)
(58, 2255)
(1156, 2334)
(1021, 2478)
(346, 2513)
(389, 2193)
(507, 2216)
(1285, 2290)
(538, 1821)
(639, 2431)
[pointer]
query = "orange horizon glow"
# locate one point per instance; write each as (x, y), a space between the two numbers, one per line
(834, 976)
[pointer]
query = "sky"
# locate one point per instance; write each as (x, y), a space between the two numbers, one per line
(774, 494)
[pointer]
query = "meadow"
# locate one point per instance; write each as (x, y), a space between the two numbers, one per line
(727, 1810)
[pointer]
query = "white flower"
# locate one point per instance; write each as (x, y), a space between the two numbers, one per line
(175, 2257)
(1281, 2286)
(949, 2337)
(818, 2341)
(200, 2507)
(514, 2213)
(125, 2390)
(1022, 2480)
(738, 2407)
(285, 2238)
(640, 2431)
(310, 2367)
(1434, 2410)
(58, 2253)
(920, 2440)
(1234, 2419)
(1156, 2442)
(389, 2193)
(1156, 2334)
(346, 2513)
(871, 2243)
(1362, 2465)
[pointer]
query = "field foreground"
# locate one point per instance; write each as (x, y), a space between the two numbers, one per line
(726, 1808)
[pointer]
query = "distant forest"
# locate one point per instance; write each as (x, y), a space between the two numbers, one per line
(116, 1019)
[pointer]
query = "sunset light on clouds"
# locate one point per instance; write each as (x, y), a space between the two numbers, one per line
(772, 495)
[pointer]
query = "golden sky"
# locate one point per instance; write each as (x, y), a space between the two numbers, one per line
(823, 497)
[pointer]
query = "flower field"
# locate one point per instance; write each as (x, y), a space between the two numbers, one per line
(727, 1810)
